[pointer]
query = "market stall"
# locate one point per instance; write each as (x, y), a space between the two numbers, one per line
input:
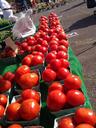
(44, 82)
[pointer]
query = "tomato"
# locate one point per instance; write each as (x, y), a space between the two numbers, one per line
(15, 126)
(64, 42)
(85, 115)
(53, 42)
(1, 111)
(3, 99)
(56, 100)
(30, 94)
(53, 47)
(62, 73)
(44, 43)
(55, 86)
(55, 64)
(44, 49)
(38, 53)
(29, 49)
(37, 60)
(62, 54)
(62, 35)
(64, 63)
(46, 37)
(40, 40)
(5, 85)
(24, 45)
(84, 126)
(9, 76)
(72, 82)
(48, 75)
(50, 56)
(22, 70)
(66, 123)
(38, 47)
(27, 61)
(29, 109)
(62, 48)
(75, 97)
(28, 80)
(12, 111)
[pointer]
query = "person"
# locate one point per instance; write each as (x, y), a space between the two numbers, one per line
(7, 11)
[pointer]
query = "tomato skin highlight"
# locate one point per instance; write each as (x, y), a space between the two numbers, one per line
(84, 126)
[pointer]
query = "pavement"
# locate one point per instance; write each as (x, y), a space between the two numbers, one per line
(76, 17)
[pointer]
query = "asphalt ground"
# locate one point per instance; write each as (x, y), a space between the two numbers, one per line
(76, 17)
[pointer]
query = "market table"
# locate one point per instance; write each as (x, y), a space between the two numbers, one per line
(46, 118)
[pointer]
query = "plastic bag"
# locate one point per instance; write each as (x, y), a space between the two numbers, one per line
(24, 26)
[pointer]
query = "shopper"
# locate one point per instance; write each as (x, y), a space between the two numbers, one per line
(7, 10)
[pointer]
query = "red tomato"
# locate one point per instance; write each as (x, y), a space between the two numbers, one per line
(64, 63)
(56, 100)
(48, 75)
(66, 123)
(29, 109)
(40, 40)
(44, 43)
(24, 45)
(37, 60)
(62, 73)
(62, 54)
(29, 49)
(12, 111)
(72, 82)
(1, 111)
(53, 47)
(38, 47)
(27, 61)
(44, 49)
(50, 56)
(53, 42)
(85, 115)
(55, 64)
(84, 126)
(64, 42)
(3, 99)
(38, 53)
(5, 85)
(55, 86)
(46, 37)
(15, 126)
(22, 70)
(62, 35)
(62, 48)
(28, 80)
(9, 76)
(30, 94)
(75, 97)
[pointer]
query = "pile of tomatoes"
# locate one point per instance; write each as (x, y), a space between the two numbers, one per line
(48, 48)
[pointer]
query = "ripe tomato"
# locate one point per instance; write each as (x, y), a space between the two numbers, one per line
(1, 111)
(27, 61)
(62, 35)
(66, 123)
(55, 86)
(84, 126)
(12, 111)
(53, 42)
(62, 54)
(9, 76)
(75, 97)
(38, 53)
(55, 64)
(62, 73)
(62, 48)
(48, 75)
(64, 63)
(56, 100)
(15, 126)
(50, 56)
(30, 94)
(5, 85)
(22, 70)
(44, 43)
(37, 60)
(29, 109)
(53, 47)
(64, 42)
(24, 45)
(28, 80)
(85, 115)
(72, 82)
(3, 99)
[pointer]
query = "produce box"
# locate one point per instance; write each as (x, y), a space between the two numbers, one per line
(33, 122)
